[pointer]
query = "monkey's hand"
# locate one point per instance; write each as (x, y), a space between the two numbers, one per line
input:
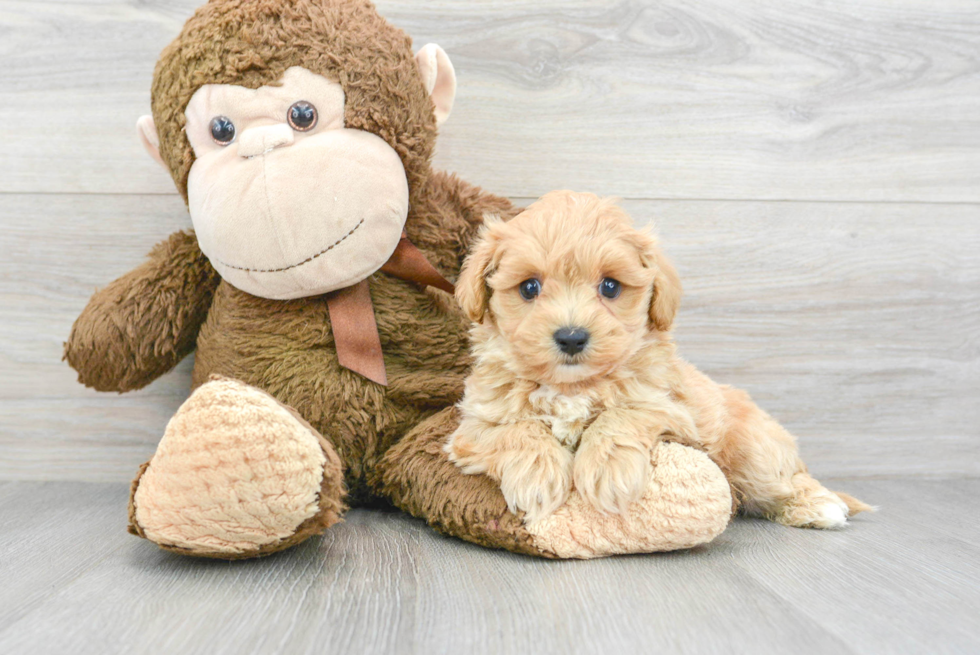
(142, 324)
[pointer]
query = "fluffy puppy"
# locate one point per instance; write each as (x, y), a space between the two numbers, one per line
(576, 378)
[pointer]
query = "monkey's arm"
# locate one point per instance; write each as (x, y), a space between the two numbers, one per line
(142, 324)
(467, 207)
(473, 203)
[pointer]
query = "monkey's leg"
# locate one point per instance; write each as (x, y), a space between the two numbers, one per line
(687, 502)
(236, 475)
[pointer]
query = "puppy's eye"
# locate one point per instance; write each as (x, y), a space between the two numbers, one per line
(610, 288)
(222, 130)
(529, 289)
(302, 116)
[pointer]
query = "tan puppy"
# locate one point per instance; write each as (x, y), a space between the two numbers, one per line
(576, 378)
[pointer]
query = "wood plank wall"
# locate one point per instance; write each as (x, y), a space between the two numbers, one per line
(813, 168)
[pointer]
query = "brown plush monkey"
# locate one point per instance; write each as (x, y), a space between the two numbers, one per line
(300, 133)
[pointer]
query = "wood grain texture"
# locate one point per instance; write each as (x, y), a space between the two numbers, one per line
(902, 580)
(891, 583)
(747, 99)
(856, 325)
(77, 525)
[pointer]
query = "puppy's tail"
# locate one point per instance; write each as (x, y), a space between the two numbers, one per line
(854, 506)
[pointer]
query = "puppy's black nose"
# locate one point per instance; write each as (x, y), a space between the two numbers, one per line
(571, 341)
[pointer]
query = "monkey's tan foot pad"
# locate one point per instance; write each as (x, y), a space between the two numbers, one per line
(687, 503)
(236, 475)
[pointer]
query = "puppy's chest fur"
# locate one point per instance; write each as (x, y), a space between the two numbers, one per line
(567, 415)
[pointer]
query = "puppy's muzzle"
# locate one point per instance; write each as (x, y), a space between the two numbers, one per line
(571, 341)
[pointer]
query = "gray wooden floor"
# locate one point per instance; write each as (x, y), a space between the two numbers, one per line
(814, 169)
(905, 580)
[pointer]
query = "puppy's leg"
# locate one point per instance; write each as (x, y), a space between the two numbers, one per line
(612, 464)
(533, 469)
(765, 468)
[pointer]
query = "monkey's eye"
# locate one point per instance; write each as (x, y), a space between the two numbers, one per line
(222, 130)
(610, 288)
(301, 116)
(529, 289)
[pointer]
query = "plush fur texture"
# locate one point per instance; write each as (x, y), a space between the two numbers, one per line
(686, 502)
(542, 420)
(258, 472)
(141, 325)
(287, 347)
(416, 475)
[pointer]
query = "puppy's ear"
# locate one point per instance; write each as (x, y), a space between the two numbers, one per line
(666, 298)
(666, 294)
(472, 292)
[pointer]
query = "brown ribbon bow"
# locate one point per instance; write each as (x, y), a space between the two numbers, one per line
(355, 331)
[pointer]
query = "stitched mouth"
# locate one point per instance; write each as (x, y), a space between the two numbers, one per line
(305, 261)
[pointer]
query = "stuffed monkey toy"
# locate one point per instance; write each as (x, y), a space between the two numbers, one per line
(315, 289)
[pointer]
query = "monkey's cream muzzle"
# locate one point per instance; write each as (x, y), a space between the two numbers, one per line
(260, 140)
(299, 219)
(282, 213)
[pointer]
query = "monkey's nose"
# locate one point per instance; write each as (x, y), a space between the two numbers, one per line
(571, 341)
(260, 140)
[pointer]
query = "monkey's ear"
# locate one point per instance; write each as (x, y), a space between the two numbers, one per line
(147, 131)
(472, 292)
(439, 78)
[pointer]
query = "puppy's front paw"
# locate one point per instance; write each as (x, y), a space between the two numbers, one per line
(461, 451)
(611, 476)
(536, 480)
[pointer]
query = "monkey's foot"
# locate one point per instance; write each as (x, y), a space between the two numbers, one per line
(686, 503)
(237, 474)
